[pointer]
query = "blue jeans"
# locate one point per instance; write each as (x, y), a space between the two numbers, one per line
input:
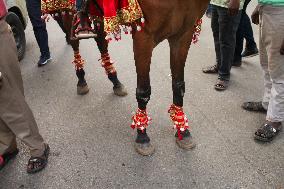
(244, 32)
(39, 27)
(224, 29)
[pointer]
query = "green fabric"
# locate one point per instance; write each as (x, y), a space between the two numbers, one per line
(272, 2)
(224, 3)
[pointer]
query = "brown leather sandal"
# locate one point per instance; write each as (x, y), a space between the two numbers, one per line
(221, 85)
(210, 69)
(36, 164)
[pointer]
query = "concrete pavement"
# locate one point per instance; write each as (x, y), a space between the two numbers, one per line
(91, 139)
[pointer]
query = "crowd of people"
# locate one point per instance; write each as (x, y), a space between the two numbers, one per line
(230, 26)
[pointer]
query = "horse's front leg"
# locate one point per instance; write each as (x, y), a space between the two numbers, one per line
(143, 47)
(107, 63)
(82, 86)
(179, 46)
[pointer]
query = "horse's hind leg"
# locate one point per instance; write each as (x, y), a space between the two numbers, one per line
(107, 64)
(143, 47)
(82, 86)
(179, 46)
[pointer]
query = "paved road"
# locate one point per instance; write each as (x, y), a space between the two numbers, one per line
(91, 141)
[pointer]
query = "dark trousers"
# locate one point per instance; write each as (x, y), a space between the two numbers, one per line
(244, 32)
(224, 29)
(39, 27)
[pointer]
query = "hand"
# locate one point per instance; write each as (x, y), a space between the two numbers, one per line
(233, 6)
(45, 17)
(255, 16)
(282, 48)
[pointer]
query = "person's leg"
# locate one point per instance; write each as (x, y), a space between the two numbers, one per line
(7, 139)
(8, 145)
(273, 28)
(39, 27)
(14, 111)
(272, 34)
(215, 31)
(228, 26)
(250, 47)
(239, 41)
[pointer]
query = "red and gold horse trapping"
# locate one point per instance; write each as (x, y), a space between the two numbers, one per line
(179, 119)
(55, 6)
(140, 120)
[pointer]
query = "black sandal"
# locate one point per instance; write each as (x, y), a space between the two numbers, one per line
(36, 164)
(254, 106)
(5, 158)
(221, 85)
(210, 69)
(267, 132)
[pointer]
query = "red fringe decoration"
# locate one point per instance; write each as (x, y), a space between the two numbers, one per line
(179, 119)
(78, 61)
(197, 31)
(107, 64)
(140, 120)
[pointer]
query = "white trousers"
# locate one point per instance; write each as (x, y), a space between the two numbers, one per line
(272, 62)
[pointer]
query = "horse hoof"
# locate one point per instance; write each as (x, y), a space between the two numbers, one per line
(186, 143)
(120, 90)
(82, 90)
(145, 149)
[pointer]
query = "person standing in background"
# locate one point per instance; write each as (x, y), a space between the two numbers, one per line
(225, 20)
(39, 27)
(269, 14)
(244, 32)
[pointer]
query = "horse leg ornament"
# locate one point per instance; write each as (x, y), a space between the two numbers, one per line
(107, 64)
(140, 121)
(82, 86)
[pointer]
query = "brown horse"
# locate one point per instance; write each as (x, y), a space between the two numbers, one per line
(65, 22)
(173, 20)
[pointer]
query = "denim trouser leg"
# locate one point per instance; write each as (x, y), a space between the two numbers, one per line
(215, 30)
(224, 29)
(247, 32)
(244, 32)
(240, 39)
(39, 27)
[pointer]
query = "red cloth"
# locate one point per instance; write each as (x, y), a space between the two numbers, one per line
(3, 10)
(116, 12)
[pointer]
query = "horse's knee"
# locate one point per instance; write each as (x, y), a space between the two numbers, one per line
(143, 97)
(178, 88)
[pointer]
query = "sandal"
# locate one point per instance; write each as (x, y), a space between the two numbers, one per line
(36, 164)
(221, 85)
(210, 69)
(254, 106)
(267, 132)
(5, 158)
